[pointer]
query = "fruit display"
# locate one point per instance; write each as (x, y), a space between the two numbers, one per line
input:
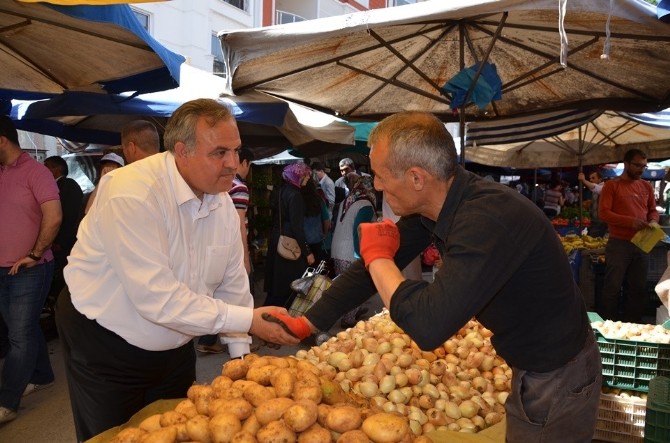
(632, 331)
(573, 242)
(368, 383)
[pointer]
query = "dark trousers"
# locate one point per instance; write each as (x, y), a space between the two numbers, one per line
(556, 406)
(626, 261)
(109, 379)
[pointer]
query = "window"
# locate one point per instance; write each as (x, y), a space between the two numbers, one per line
(218, 68)
(287, 17)
(403, 2)
(143, 18)
(240, 4)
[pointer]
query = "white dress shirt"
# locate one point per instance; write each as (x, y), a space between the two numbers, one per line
(157, 266)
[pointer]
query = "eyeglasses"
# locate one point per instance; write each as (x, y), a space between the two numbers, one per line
(639, 165)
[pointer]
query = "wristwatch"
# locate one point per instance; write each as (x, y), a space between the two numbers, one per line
(34, 257)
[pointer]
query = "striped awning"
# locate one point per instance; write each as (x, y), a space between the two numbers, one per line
(656, 119)
(528, 128)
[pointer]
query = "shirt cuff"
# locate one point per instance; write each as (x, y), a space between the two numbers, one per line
(238, 319)
(238, 349)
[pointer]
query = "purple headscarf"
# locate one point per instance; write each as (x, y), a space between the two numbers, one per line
(295, 173)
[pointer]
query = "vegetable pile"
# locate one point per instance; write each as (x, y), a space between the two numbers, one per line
(633, 331)
(368, 383)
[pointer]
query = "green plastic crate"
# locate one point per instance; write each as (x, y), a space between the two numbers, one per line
(620, 420)
(630, 364)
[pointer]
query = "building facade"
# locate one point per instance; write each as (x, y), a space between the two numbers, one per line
(190, 27)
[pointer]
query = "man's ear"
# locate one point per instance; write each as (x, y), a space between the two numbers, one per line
(180, 150)
(417, 178)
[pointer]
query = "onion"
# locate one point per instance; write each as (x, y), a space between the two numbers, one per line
(368, 389)
(404, 360)
(396, 396)
(389, 406)
(426, 402)
(387, 384)
(452, 410)
(436, 417)
(401, 379)
(492, 418)
(468, 408)
(415, 427)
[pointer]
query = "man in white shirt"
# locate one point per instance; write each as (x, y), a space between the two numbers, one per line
(158, 260)
(327, 184)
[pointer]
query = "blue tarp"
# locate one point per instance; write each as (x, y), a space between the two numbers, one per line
(166, 77)
(116, 54)
(39, 116)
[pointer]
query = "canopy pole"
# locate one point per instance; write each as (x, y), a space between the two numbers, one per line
(461, 115)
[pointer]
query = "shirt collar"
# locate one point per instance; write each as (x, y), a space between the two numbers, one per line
(24, 157)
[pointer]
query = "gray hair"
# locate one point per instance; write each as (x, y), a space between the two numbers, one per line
(181, 125)
(143, 133)
(416, 139)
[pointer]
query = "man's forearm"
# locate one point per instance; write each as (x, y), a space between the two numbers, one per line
(387, 277)
(52, 217)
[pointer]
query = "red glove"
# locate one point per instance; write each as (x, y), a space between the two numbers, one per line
(378, 240)
(296, 326)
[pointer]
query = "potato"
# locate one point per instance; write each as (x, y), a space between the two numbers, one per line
(239, 407)
(313, 393)
(197, 428)
(163, 435)
(251, 425)
(202, 404)
(235, 369)
(250, 358)
(323, 410)
(275, 432)
(221, 382)
(223, 426)
(230, 393)
(308, 366)
(422, 439)
(301, 415)
(355, 436)
(343, 418)
(172, 418)
(261, 374)
(332, 392)
(306, 378)
(257, 394)
(182, 432)
(315, 434)
(244, 437)
(151, 423)
(186, 407)
(129, 435)
(243, 383)
(292, 361)
(385, 427)
(272, 409)
(283, 380)
(279, 362)
(196, 391)
(260, 360)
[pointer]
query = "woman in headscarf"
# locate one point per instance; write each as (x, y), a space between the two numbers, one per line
(288, 214)
(358, 207)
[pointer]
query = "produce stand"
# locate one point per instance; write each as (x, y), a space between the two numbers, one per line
(371, 379)
(494, 434)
